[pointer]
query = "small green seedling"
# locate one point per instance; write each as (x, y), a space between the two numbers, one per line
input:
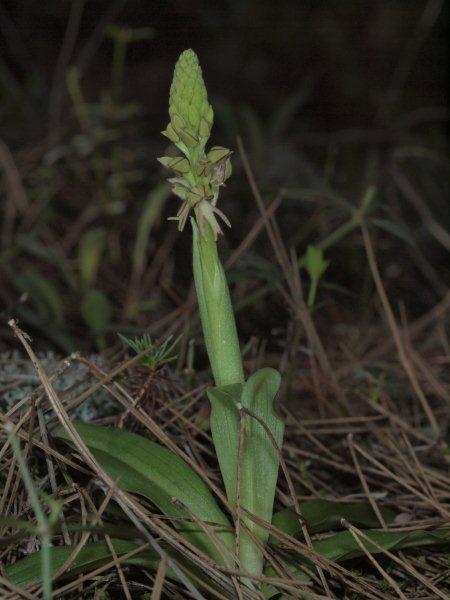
(316, 265)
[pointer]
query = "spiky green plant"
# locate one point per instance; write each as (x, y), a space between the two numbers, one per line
(155, 355)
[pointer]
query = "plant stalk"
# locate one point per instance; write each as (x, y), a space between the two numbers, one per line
(216, 312)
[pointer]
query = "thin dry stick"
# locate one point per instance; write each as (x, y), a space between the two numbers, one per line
(60, 591)
(8, 483)
(218, 543)
(404, 565)
(437, 312)
(17, 590)
(366, 488)
(255, 230)
(280, 252)
(371, 558)
(51, 471)
(48, 450)
(120, 394)
(133, 511)
(121, 497)
(426, 482)
(395, 330)
(291, 275)
(286, 473)
(159, 579)
(119, 570)
(402, 481)
(409, 192)
(84, 538)
(37, 394)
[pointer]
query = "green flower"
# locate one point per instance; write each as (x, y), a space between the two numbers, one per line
(198, 175)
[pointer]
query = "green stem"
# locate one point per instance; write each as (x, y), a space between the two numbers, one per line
(216, 312)
(312, 293)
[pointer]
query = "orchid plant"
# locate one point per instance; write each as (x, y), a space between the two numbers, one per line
(246, 431)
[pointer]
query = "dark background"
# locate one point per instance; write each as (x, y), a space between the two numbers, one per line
(356, 54)
(325, 94)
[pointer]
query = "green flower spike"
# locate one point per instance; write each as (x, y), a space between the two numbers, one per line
(198, 175)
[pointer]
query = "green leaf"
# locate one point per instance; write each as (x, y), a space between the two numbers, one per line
(259, 466)
(324, 515)
(144, 467)
(259, 460)
(314, 262)
(224, 423)
(27, 570)
(96, 310)
(343, 546)
(178, 164)
(43, 293)
(90, 250)
(316, 265)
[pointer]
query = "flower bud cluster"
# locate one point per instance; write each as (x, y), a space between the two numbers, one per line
(198, 175)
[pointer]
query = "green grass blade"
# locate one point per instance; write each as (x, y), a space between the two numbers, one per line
(144, 467)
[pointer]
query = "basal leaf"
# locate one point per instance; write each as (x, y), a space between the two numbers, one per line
(343, 546)
(259, 466)
(224, 422)
(144, 467)
(27, 570)
(324, 515)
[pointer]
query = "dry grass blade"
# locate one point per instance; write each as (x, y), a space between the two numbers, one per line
(395, 331)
